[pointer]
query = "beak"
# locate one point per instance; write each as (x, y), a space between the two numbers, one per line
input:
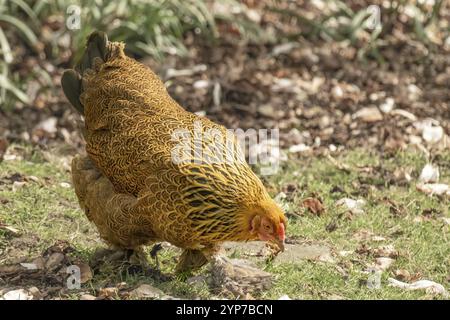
(280, 244)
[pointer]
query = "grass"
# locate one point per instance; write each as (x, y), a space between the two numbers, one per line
(44, 210)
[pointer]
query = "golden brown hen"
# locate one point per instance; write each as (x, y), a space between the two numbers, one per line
(133, 185)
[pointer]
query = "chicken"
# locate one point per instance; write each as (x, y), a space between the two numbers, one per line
(155, 172)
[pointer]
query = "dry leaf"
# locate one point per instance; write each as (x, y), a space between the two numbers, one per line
(434, 188)
(314, 205)
(109, 292)
(85, 272)
(386, 251)
(19, 294)
(402, 274)
(430, 286)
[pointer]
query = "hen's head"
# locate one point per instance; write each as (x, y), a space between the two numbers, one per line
(267, 222)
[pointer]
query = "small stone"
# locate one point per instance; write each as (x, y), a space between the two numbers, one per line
(147, 291)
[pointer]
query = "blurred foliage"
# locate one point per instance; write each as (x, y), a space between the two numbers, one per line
(367, 23)
(159, 27)
(149, 27)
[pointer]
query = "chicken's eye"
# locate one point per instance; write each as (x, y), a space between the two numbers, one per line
(267, 227)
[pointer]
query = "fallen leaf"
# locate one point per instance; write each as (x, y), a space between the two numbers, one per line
(434, 188)
(402, 274)
(85, 272)
(368, 114)
(29, 266)
(386, 251)
(430, 286)
(314, 205)
(13, 231)
(406, 114)
(19, 294)
(109, 292)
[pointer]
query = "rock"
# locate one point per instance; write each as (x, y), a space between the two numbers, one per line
(238, 277)
(434, 188)
(293, 252)
(146, 291)
(87, 297)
